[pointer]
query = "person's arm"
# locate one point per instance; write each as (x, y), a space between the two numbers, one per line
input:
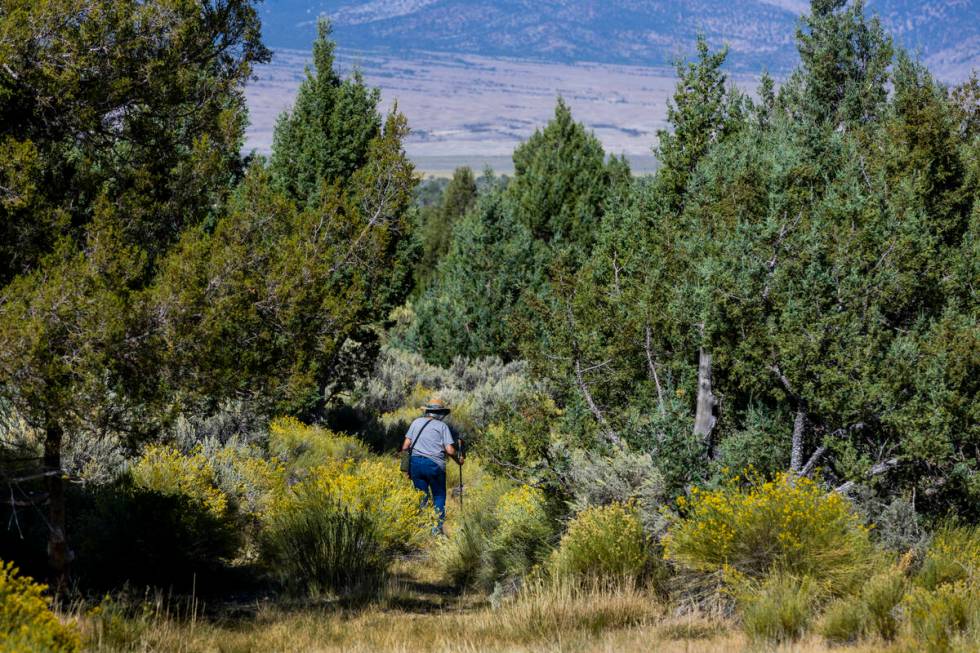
(406, 444)
(451, 448)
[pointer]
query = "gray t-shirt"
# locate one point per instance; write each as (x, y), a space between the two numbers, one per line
(435, 436)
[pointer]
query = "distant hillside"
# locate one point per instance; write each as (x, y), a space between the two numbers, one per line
(637, 32)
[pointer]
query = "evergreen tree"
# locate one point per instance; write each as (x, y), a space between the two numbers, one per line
(327, 135)
(561, 183)
(435, 233)
(469, 308)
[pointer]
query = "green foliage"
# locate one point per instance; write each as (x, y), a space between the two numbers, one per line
(26, 620)
(617, 478)
(940, 620)
(436, 228)
(953, 556)
(844, 621)
(303, 447)
(319, 546)
(266, 304)
(520, 539)
(702, 113)
(603, 544)
(126, 533)
(475, 295)
(881, 596)
(780, 608)
(327, 136)
(561, 183)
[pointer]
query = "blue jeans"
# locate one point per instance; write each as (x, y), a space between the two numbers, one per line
(428, 477)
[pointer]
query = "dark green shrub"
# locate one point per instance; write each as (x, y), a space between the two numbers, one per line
(126, 534)
(317, 545)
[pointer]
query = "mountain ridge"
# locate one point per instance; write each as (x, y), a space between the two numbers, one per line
(759, 33)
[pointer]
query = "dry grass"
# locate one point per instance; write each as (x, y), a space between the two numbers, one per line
(416, 618)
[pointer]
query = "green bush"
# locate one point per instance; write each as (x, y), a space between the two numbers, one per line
(603, 543)
(337, 530)
(953, 555)
(125, 533)
(319, 546)
(521, 539)
(844, 621)
(26, 620)
(881, 597)
(461, 554)
(940, 619)
(780, 608)
(303, 447)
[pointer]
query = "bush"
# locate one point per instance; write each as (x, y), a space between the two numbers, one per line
(460, 555)
(129, 534)
(319, 545)
(521, 537)
(303, 447)
(620, 477)
(26, 620)
(345, 521)
(953, 555)
(844, 621)
(166, 471)
(603, 543)
(787, 524)
(881, 597)
(940, 618)
(780, 608)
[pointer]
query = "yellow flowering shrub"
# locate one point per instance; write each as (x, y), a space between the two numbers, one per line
(953, 555)
(303, 446)
(603, 542)
(520, 539)
(340, 526)
(26, 620)
(787, 523)
(166, 470)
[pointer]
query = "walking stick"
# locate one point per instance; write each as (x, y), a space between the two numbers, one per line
(461, 457)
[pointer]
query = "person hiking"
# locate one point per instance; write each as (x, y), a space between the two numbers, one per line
(428, 441)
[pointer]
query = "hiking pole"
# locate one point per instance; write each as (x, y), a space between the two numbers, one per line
(461, 458)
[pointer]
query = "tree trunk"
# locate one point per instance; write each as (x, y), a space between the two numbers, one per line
(796, 453)
(704, 419)
(57, 541)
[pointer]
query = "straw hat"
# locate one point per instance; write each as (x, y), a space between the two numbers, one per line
(436, 405)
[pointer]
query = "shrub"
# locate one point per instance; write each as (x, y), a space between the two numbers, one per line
(604, 543)
(345, 521)
(26, 620)
(844, 621)
(166, 471)
(939, 618)
(789, 524)
(125, 533)
(319, 545)
(304, 447)
(881, 597)
(460, 555)
(620, 477)
(780, 608)
(521, 537)
(953, 555)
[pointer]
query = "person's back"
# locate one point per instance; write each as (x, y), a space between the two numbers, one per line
(429, 437)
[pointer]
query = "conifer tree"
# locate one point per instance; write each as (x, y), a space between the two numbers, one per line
(326, 136)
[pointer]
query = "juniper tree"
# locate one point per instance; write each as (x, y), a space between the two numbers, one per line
(122, 124)
(326, 135)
